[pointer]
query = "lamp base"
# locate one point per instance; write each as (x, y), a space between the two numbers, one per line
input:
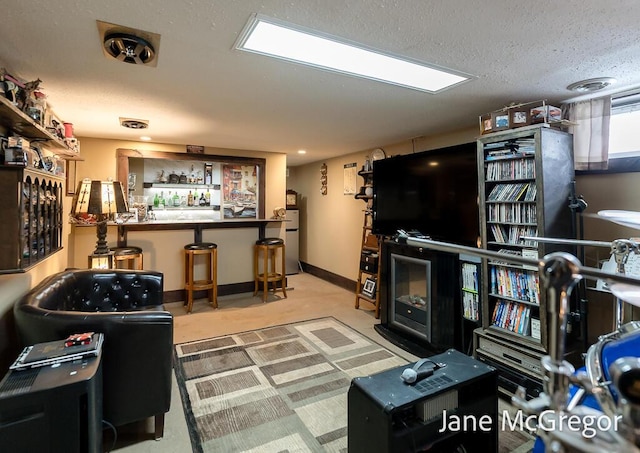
(101, 260)
(101, 244)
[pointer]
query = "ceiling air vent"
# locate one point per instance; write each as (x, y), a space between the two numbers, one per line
(128, 44)
(590, 85)
(131, 123)
(129, 48)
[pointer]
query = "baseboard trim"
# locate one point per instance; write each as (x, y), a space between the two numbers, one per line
(178, 295)
(338, 280)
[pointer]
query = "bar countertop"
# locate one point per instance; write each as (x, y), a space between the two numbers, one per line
(197, 225)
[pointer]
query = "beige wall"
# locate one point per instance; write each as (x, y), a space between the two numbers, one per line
(331, 225)
(602, 192)
(163, 249)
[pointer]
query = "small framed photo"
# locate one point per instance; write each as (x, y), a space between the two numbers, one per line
(538, 114)
(486, 124)
(519, 117)
(500, 120)
(369, 287)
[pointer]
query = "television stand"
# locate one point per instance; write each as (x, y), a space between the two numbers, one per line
(404, 342)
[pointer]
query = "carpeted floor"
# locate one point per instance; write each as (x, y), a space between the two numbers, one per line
(282, 388)
(308, 298)
(277, 389)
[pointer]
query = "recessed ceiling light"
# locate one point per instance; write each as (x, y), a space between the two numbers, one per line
(590, 85)
(302, 151)
(267, 36)
(145, 138)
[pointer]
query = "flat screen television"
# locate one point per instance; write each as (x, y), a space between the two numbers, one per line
(432, 192)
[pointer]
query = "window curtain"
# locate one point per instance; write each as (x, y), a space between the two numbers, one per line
(590, 133)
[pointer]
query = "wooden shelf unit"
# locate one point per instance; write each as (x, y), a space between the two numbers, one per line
(18, 122)
(368, 282)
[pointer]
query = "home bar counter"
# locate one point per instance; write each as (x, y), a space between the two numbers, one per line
(163, 241)
(196, 197)
(197, 225)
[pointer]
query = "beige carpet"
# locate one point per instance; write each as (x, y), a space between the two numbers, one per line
(309, 298)
(276, 389)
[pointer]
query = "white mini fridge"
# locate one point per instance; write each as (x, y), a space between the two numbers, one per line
(292, 241)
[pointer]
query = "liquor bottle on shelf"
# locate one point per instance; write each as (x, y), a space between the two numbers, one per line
(161, 201)
(176, 200)
(190, 199)
(203, 200)
(156, 201)
(207, 197)
(169, 201)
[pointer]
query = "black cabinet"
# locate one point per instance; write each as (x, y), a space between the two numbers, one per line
(53, 408)
(420, 297)
(32, 226)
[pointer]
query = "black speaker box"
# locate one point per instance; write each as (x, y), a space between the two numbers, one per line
(453, 410)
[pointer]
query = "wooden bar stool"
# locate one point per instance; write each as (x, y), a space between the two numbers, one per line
(210, 282)
(131, 257)
(266, 250)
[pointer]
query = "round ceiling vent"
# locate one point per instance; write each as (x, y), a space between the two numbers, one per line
(587, 86)
(134, 124)
(129, 48)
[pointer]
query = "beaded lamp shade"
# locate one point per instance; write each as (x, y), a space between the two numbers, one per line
(95, 202)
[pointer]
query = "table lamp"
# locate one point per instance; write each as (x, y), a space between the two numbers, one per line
(96, 202)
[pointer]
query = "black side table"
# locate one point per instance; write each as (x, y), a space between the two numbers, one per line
(53, 408)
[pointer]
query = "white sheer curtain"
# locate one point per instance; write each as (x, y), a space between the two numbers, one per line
(591, 134)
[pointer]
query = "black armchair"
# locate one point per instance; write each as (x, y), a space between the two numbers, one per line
(126, 306)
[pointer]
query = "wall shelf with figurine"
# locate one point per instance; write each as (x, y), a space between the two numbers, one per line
(20, 123)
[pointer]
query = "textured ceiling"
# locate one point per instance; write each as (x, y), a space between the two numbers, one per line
(204, 92)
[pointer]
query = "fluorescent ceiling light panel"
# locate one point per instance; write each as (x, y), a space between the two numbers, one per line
(269, 37)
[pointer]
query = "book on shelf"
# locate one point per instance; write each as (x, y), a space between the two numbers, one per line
(514, 283)
(535, 328)
(512, 316)
(470, 276)
(470, 306)
(511, 192)
(501, 170)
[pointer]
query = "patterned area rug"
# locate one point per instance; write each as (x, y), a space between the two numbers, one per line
(278, 389)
